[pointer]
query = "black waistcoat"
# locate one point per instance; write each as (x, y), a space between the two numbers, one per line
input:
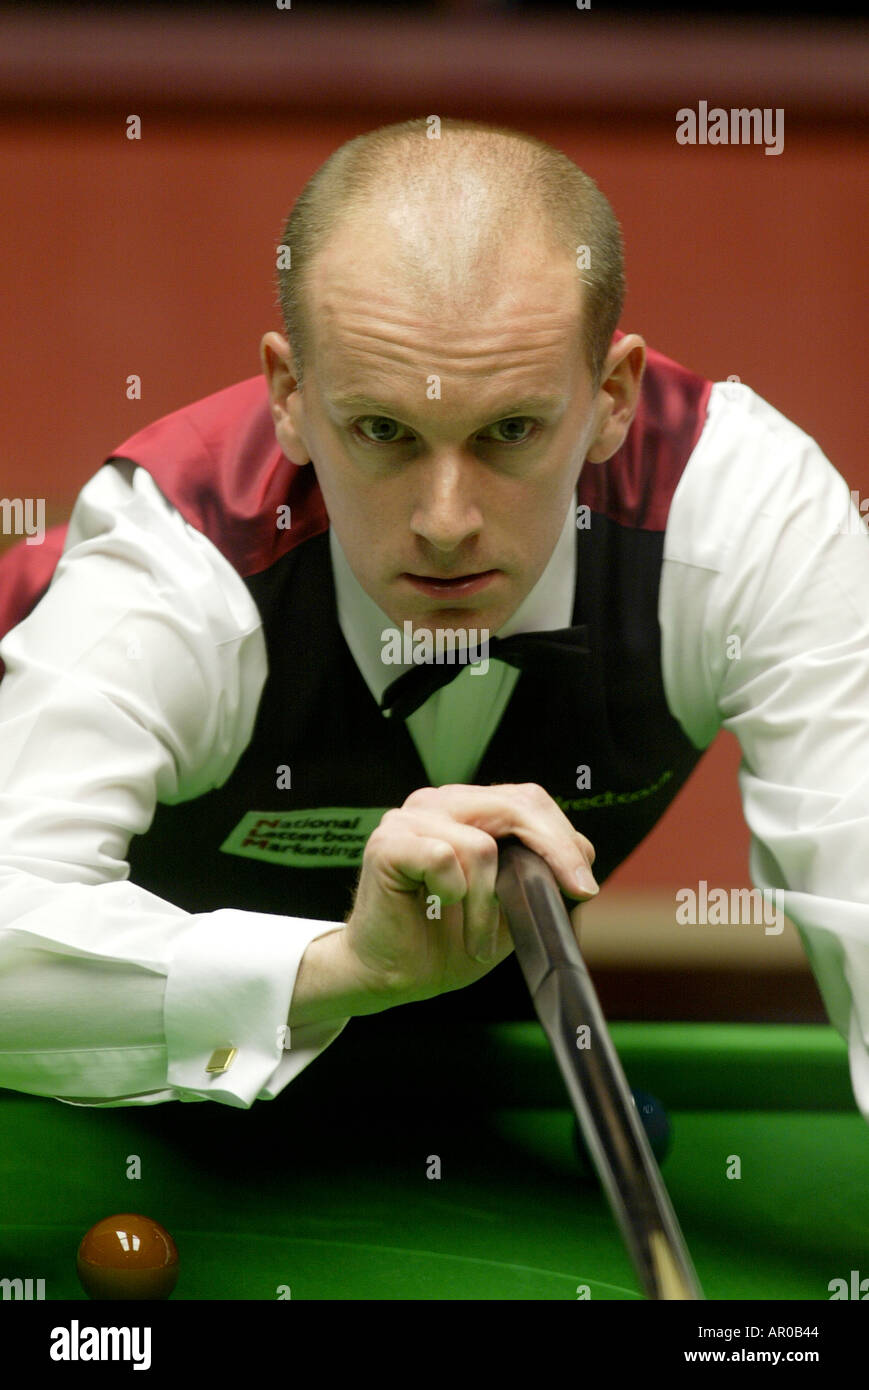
(318, 718)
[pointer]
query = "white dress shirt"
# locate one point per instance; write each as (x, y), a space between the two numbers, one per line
(136, 680)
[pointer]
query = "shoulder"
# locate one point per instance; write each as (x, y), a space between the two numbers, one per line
(751, 467)
(218, 462)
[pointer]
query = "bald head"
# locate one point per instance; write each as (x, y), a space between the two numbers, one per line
(446, 219)
(454, 208)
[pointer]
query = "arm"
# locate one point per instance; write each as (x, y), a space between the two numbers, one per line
(758, 550)
(109, 995)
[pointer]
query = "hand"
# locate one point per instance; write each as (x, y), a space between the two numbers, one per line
(426, 919)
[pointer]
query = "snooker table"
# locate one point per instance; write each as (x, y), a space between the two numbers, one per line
(324, 1194)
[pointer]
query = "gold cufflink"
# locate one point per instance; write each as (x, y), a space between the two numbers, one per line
(221, 1060)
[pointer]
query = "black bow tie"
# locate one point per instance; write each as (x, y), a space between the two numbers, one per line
(526, 650)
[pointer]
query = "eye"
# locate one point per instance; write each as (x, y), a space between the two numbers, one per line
(382, 429)
(516, 429)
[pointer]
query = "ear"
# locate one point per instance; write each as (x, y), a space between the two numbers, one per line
(618, 396)
(288, 411)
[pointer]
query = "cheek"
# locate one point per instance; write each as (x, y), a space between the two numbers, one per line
(333, 475)
(359, 514)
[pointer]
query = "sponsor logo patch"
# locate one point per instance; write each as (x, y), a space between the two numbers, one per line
(320, 837)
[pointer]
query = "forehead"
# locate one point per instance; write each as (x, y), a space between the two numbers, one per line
(377, 314)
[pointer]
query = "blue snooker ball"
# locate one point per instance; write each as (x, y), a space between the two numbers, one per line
(656, 1123)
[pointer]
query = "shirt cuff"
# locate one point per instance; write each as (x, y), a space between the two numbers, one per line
(230, 986)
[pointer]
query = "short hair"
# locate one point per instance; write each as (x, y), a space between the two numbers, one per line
(522, 176)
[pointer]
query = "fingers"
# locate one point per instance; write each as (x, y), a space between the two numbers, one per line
(444, 840)
(526, 811)
(456, 862)
(405, 857)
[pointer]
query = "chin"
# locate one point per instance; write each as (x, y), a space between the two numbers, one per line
(479, 619)
(489, 617)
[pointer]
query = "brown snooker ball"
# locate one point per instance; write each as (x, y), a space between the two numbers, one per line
(127, 1257)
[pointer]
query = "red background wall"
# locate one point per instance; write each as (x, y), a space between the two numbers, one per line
(155, 257)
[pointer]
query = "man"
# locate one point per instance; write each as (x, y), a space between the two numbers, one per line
(451, 436)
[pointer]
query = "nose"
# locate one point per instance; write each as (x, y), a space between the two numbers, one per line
(445, 513)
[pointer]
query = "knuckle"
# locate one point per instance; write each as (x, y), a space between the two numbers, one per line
(534, 792)
(486, 848)
(442, 857)
(383, 834)
(421, 797)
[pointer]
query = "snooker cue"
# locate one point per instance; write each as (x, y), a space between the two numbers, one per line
(565, 1000)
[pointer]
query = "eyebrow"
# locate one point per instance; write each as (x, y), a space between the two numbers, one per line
(525, 405)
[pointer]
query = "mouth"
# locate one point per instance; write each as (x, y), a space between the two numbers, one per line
(458, 587)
